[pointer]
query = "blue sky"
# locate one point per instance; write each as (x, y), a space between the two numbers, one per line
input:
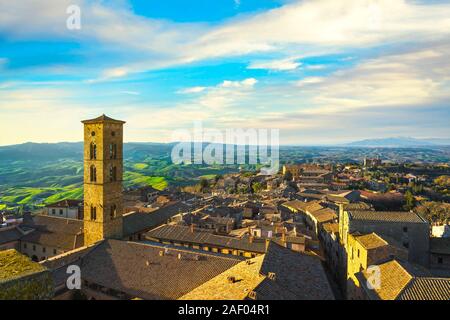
(323, 71)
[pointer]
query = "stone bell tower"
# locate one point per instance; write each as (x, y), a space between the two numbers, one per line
(103, 171)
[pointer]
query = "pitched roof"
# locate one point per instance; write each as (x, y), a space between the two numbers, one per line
(295, 204)
(371, 241)
(403, 281)
(393, 279)
(427, 289)
(331, 227)
(67, 203)
(385, 216)
(357, 206)
(140, 270)
(301, 274)
(324, 214)
(295, 276)
(103, 118)
(141, 221)
(63, 233)
(184, 234)
(9, 235)
(15, 265)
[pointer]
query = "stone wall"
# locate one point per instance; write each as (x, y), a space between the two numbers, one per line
(38, 286)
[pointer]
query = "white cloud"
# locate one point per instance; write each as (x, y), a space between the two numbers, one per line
(132, 93)
(247, 83)
(192, 90)
(308, 26)
(309, 80)
(276, 65)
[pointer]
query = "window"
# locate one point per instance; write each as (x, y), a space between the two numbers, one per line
(405, 229)
(93, 174)
(53, 211)
(440, 260)
(34, 247)
(60, 212)
(24, 245)
(113, 211)
(113, 133)
(113, 151)
(43, 249)
(93, 213)
(54, 251)
(93, 151)
(358, 253)
(406, 245)
(112, 173)
(93, 133)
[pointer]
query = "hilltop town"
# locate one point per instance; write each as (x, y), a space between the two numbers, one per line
(375, 230)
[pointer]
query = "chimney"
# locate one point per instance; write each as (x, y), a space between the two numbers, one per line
(231, 279)
(283, 235)
(192, 228)
(179, 256)
(250, 239)
(267, 244)
(161, 253)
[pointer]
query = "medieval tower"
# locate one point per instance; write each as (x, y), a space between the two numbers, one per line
(103, 170)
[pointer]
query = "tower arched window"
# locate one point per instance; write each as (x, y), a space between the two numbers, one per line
(93, 174)
(113, 151)
(93, 213)
(113, 212)
(93, 151)
(112, 173)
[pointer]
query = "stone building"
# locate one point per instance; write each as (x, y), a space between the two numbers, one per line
(72, 209)
(407, 228)
(103, 171)
(23, 279)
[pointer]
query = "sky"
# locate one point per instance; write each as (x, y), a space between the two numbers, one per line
(320, 71)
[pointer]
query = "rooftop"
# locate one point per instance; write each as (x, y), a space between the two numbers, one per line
(102, 118)
(14, 265)
(386, 216)
(68, 203)
(402, 281)
(185, 234)
(148, 271)
(371, 241)
(280, 274)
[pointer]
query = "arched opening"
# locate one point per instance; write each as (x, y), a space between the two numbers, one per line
(93, 151)
(113, 212)
(93, 213)
(113, 151)
(112, 173)
(93, 174)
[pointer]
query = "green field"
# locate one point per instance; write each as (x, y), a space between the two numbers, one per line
(31, 184)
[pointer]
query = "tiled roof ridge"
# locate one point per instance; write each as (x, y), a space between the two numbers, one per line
(195, 253)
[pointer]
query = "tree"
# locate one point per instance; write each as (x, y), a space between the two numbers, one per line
(203, 184)
(410, 200)
(257, 187)
(443, 181)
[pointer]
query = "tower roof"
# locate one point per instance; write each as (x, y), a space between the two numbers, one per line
(103, 118)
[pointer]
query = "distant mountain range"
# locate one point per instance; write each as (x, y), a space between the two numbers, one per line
(399, 142)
